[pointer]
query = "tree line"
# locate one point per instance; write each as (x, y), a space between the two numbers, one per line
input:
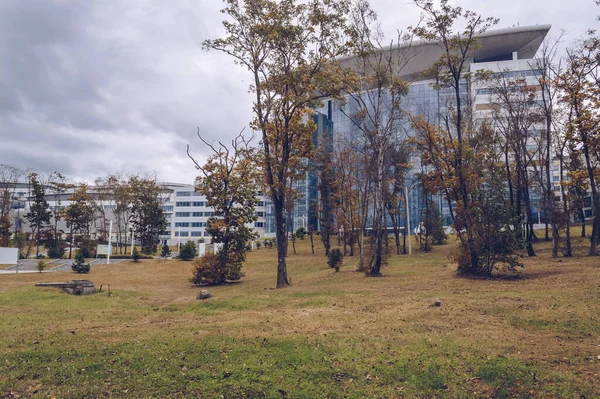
(486, 166)
(80, 213)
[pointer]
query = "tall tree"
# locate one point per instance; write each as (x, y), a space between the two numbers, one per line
(580, 84)
(548, 67)
(454, 173)
(397, 166)
(147, 216)
(518, 116)
(378, 96)
(347, 198)
(289, 48)
(327, 189)
(57, 186)
(9, 177)
(39, 214)
(228, 181)
(80, 215)
(116, 192)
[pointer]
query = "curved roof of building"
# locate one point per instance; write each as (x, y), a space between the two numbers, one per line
(419, 56)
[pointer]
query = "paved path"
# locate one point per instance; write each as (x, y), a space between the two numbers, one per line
(54, 265)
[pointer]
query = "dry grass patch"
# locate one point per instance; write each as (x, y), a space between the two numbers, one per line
(328, 335)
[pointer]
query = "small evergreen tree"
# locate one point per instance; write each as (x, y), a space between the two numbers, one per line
(166, 251)
(301, 233)
(55, 252)
(135, 255)
(79, 265)
(188, 251)
(335, 259)
(41, 265)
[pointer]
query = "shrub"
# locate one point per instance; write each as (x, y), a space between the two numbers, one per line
(135, 255)
(165, 251)
(56, 252)
(188, 251)
(208, 271)
(79, 266)
(335, 259)
(41, 265)
(301, 233)
(149, 249)
(85, 251)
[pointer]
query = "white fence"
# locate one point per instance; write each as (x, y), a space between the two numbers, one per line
(9, 256)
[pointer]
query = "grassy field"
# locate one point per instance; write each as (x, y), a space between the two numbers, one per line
(329, 335)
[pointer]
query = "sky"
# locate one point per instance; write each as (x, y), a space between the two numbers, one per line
(89, 88)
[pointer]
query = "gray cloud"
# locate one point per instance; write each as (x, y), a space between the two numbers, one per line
(88, 88)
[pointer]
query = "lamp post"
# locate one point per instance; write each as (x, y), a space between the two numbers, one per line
(408, 220)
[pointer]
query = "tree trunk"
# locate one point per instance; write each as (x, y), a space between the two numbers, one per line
(281, 236)
(378, 222)
(568, 248)
(595, 201)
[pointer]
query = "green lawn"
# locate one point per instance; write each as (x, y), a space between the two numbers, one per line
(329, 335)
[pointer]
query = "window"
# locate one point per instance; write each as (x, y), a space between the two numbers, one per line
(260, 193)
(196, 234)
(197, 214)
(182, 214)
(199, 224)
(168, 208)
(182, 194)
(260, 214)
(198, 203)
(183, 234)
(183, 204)
(260, 203)
(555, 178)
(259, 224)
(182, 224)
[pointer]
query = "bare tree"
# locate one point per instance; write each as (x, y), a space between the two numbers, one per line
(9, 177)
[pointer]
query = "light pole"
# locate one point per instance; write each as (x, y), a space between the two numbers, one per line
(408, 220)
(109, 243)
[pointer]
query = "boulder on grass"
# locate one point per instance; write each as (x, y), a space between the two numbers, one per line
(204, 295)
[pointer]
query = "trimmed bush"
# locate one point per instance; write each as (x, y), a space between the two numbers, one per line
(301, 233)
(56, 252)
(165, 251)
(188, 251)
(79, 266)
(135, 255)
(41, 265)
(208, 271)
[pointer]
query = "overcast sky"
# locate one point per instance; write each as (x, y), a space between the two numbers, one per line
(92, 87)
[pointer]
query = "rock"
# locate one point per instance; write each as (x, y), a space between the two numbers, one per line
(204, 295)
(437, 303)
